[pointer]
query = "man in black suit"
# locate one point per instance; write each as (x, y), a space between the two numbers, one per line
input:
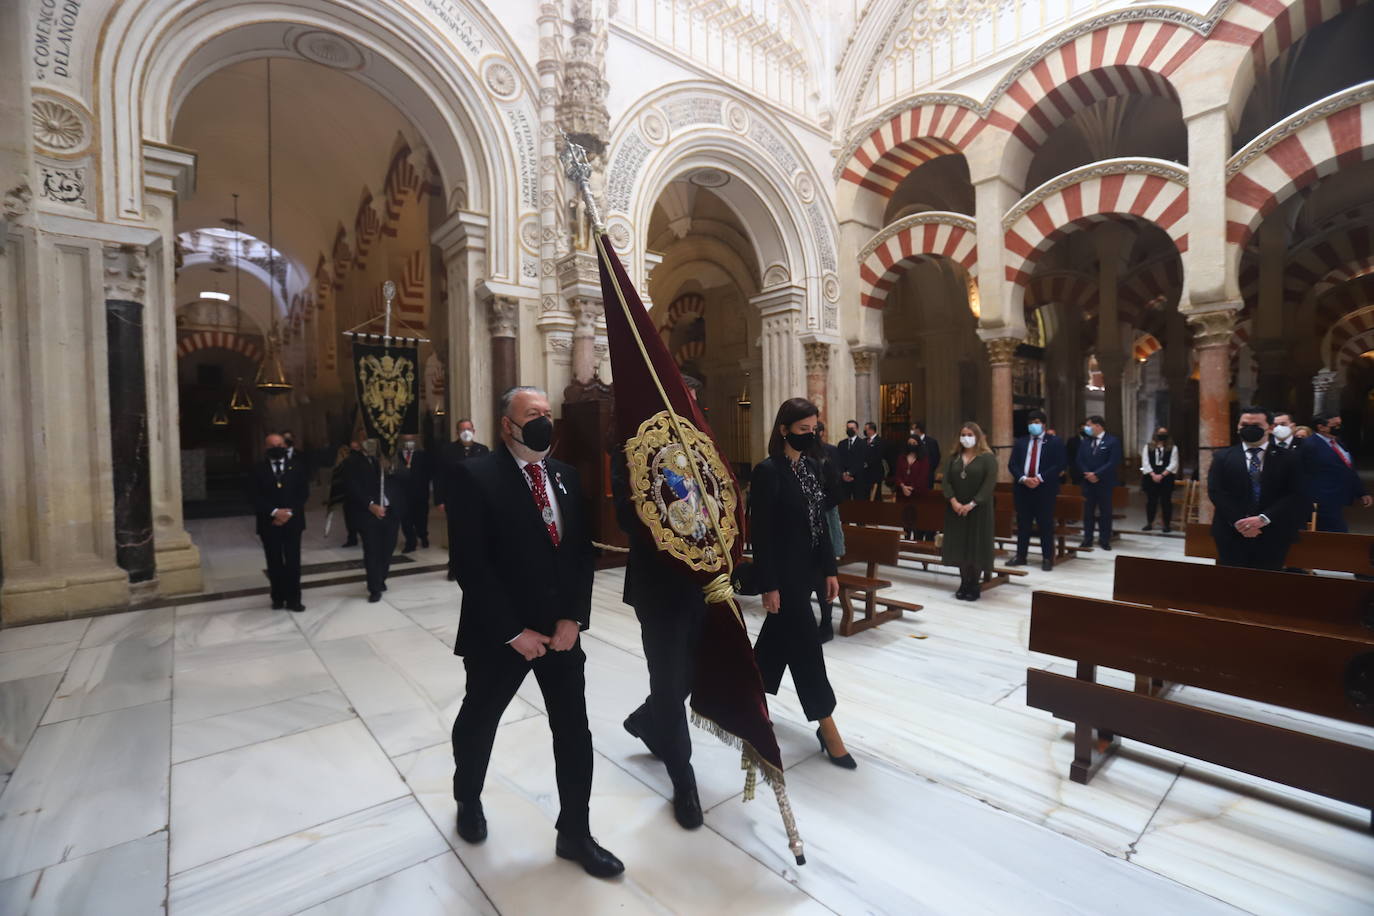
(1256, 496)
(1037, 460)
(280, 490)
(875, 471)
(1098, 458)
(454, 454)
(377, 494)
(851, 461)
(525, 565)
(413, 472)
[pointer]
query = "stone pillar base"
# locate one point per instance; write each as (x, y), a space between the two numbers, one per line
(46, 598)
(178, 570)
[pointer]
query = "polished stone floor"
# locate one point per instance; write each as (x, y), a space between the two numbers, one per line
(224, 758)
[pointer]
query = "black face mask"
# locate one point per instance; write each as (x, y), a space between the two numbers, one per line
(1251, 433)
(1162, 437)
(802, 442)
(913, 447)
(276, 453)
(1335, 430)
(537, 434)
(851, 432)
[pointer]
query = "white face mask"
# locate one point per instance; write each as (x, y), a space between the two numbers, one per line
(1282, 433)
(465, 436)
(968, 441)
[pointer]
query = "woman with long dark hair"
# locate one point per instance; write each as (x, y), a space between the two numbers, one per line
(793, 554)
(970, 478)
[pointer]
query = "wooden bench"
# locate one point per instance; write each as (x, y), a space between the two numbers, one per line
(873, 547)
(1318, 673)
(1068, 518)
(1328, 550)
(927, 514)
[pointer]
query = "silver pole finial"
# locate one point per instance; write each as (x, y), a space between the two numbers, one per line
(579, 171)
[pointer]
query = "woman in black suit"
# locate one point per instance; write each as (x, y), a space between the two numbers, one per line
(793, 553)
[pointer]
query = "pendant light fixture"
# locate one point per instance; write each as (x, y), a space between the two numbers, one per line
(240, 400)
(271, 375)
(219, 418)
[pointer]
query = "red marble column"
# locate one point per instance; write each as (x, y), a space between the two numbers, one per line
(1000, 353)
(1212, 341)
(817, 355)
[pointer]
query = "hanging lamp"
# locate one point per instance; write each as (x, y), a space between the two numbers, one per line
(219, 418)
(240, 400)
(271, 375)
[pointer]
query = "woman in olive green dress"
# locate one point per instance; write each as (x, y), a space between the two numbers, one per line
(970, 477)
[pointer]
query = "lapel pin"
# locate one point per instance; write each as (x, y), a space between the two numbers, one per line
(558, 478)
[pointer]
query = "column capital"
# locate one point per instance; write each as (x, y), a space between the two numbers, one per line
(1212, 327)
(1324, 380)
(126, 271)
(864, 358)
(462, 230)
(1002, 349)
(817, 353)
(587, 313)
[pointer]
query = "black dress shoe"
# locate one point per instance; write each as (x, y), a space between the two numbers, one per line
(846, 761)
(424, 542)
(1149, 527)
(975, 591)
(351, 542)
(1085, 545)
(453, 577)
(634, 728)
(409, 548)
(1106, 546)
(374, 597)
(1168, 528)
(1017, 560)
(278, 605)
(297, 607)
(1047, 565)
(472, 822)
(687, 807)
(962, 593)
(585, 851)
(383, 586)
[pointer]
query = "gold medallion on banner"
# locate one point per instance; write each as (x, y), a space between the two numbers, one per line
(690, 515)
(387, 386)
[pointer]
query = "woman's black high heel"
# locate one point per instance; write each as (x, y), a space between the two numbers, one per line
(847, 761)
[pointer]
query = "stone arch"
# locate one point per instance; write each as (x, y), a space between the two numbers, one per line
(1339, 344)
(193, 341)
(1341, 301)
(1146, 189)
(1294, 154)
(911, 239)
(396, 50)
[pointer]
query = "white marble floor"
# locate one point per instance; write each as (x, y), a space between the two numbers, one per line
(224, 758)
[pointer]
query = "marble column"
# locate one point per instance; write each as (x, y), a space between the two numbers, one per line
(126, 269)
(1112, 240)
(780, 350)
(462, 241)
(1272, 352)
(1001, 351)
(817, 357)
(1323, 384)
(504, 315)
(866, 383)
(1212, 328)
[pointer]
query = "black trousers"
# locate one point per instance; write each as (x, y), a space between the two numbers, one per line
(1234, 549)
(1097, 510)
(415, 521)
(671, 631)
(282, 546)
(353, 523)
(1035, 507)
(1159, 496)
(379, 543)
(492, 681)
(791, 639)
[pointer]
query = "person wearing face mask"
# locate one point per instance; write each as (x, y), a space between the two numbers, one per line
(413, 471)
(851, 461)
(875, 459)
(379, 496)
(1098, 458)
(454, 454)
(1256, 497)
(1037, 460)
(280, 490)
(344, 461)
(1282, 431)
(1158, 469)
(525, 565)
(970, 480)
(793, 551)
(1329, 475)
(911, 477)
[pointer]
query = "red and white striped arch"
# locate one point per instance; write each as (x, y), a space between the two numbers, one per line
(1067, 286)
(1147, 285)
(1270, 27)
(1151, 190)
(1340, 302)
(1146, 345)
(1328, 135)
(191, 341)
(1130, 58)
(920, 236)
(908, 140)
(687, 306)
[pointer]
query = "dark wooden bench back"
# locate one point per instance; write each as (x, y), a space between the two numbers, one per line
(873, 546)
(1352, 553)
(1328, 603)
(862, 512)
(1291, 668)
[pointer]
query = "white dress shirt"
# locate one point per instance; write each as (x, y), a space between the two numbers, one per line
(549, 484)
(1039, 457)
(1147, 466)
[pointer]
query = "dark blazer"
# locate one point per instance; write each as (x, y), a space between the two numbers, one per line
(875, 454)
(851, 457)
(1328, 479)
(779, 529)
(1053, 459)
(292, 494)
(416, 477)
(452, 455)
(511, 575)
(1281, 497)
(652, 580)
(364, 487)
(1104, 463)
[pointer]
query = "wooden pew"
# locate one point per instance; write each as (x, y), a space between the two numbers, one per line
(1313, 672)
(874, 547)
(1328, 550)
(928, 514)
(1068, 519)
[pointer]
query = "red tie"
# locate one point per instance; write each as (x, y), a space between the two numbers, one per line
(1340, 452)
(1035, 458)
(541, 499)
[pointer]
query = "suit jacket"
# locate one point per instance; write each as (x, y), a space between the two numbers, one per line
(416, 477)
(874, 467)
(511, 574)
(292, 493)
(452, 455)
(1281, 497)
(365, 487)
(851, 457)
(1328, 479)
(1053, 458)
(780, 530)
(1104, 462)
(652, 581)
(930, 450)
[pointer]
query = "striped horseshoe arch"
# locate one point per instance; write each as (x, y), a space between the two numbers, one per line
(934, 234)
(908, 140)
(218, 340)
